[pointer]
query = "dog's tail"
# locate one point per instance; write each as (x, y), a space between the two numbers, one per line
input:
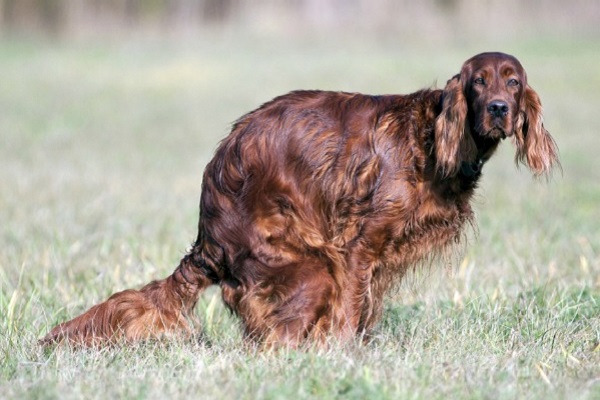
(160, 308)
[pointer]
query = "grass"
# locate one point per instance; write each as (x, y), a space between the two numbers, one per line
(102, 150)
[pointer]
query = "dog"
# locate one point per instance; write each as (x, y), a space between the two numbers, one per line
(318, 202)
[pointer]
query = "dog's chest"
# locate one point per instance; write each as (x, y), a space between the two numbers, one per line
(425, 224)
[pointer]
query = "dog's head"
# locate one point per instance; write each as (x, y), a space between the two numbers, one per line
(488, 101)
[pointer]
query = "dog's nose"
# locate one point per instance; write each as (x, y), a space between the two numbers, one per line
(498, 108)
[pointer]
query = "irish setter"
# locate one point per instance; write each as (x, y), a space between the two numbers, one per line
(318, 202)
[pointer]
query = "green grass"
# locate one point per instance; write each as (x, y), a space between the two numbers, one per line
(102, 147)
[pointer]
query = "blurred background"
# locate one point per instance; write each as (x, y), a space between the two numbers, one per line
(109, 111)
(429, 19)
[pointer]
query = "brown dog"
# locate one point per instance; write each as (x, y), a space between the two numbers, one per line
(317, 202)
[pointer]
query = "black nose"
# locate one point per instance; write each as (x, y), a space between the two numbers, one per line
(498, 108)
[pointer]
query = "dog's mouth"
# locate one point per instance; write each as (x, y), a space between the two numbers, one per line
(498, 131)
(494, 128)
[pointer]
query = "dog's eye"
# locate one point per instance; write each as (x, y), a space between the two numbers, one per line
(513, 82)
(479, 81)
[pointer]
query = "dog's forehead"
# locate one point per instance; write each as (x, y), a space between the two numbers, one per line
(493, 59)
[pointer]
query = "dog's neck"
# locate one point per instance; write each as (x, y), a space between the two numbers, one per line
(471, 169)
(485, 149)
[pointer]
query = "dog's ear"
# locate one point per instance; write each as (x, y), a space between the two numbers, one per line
(535, 147)
(453, 141)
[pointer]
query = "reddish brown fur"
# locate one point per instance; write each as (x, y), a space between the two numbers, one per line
(317, 202)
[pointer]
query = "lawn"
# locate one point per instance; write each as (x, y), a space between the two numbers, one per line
(102, 148)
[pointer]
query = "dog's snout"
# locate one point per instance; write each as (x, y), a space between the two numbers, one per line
(498, 108)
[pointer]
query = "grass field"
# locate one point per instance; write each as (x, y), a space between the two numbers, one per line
(102, 148)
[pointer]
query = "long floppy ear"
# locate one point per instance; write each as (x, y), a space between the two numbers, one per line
(453, 141)
(535, 147)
